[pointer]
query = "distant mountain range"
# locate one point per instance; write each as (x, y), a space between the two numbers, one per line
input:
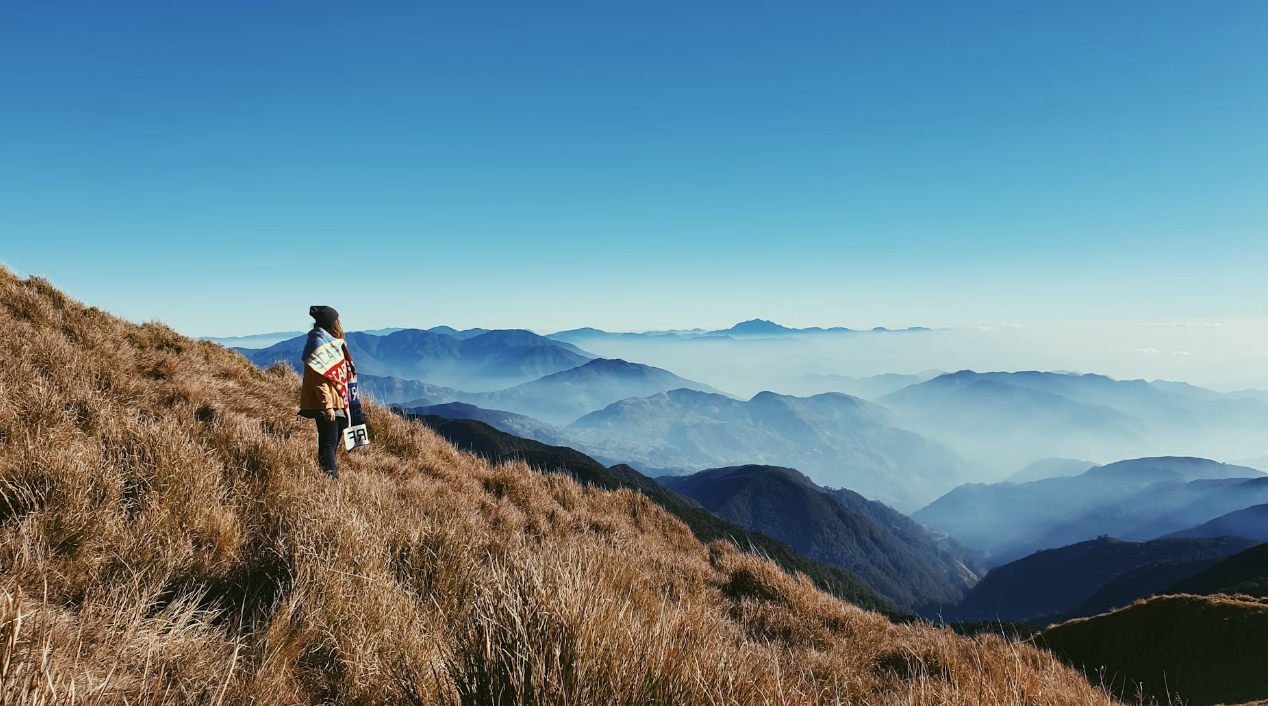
(836, 439)
(557, 398)
(905, 562)
(255, 340)
(919, 439)
(472, 361)
(1140, 499)
(1001, 421)
(755, 328)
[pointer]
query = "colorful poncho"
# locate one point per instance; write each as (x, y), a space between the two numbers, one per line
(324, 354)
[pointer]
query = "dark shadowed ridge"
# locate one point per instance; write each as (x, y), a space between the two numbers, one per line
(1055, 582)
(1196, 650)
(906, 563)
(1243, 573)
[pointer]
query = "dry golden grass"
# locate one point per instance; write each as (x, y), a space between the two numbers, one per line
(167, 537)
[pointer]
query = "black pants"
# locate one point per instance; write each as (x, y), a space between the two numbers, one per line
(328, 435)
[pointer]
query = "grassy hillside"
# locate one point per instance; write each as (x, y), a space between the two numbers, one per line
(1203, 649)
(499, 447)
(166, 537)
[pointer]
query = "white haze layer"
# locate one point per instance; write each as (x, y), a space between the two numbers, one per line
(1222, 356)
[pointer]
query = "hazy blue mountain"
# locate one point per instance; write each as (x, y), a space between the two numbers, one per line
(903, 561)
(516, 424)
(1001, 425)
(464, 334)
(1051, 468)
(1003, 420)
(868, 388)
(1251, 522)
(836, 439)
(1056, 582)
(1137, 499)
(486, 361)
(762, 327)
(256, 340)
(562, 397)
(389, 390)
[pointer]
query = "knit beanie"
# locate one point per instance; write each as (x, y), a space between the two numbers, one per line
(325, 316)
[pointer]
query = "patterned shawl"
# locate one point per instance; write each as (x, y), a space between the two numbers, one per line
(324, 354)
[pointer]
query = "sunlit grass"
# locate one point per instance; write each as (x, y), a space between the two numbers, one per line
(166, 537)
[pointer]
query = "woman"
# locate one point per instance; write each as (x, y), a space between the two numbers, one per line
(324, 395)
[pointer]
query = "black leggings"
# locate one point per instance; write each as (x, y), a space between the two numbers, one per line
(328, 434)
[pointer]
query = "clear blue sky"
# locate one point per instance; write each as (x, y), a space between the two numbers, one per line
(222, 165)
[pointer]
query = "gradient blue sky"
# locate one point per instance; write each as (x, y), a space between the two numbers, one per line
(221, 166)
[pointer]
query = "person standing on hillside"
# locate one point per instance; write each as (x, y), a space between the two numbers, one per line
(324, 395)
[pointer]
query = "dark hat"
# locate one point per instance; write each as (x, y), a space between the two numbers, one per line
(325, 316)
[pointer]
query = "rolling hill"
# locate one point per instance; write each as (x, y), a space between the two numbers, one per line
(167, 537)
(835, 439)
(901, 560)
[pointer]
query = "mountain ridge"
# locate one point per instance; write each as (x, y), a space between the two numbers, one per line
(895, 556)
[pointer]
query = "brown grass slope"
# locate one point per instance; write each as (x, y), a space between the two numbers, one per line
(1203, 649)
(166, 537)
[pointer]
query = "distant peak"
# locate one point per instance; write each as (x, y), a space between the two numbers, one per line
(612, 363)
(758, 326)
